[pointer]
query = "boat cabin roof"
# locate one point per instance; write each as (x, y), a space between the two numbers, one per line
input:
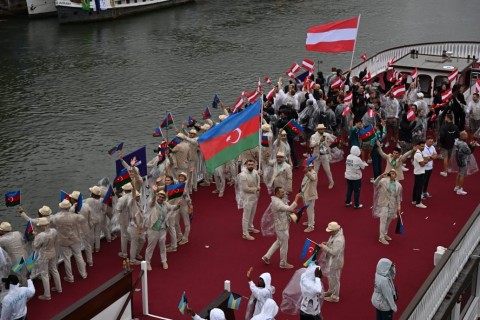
(432, 63)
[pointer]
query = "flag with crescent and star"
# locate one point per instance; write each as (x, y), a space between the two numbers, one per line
(293, 127)
(122, 179)
(308, 249)
(175, 190)
(12, 198)
(228, 139)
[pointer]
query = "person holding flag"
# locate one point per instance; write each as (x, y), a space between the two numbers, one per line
(185, 212)
(135, 227)
(311, 288)
(87, 231)
(281, 215)
(333, 253)
(12, 243)
(133, 171)
(96, 214)
(45, 249)
(309, 192)
(320, 142)
(44, 211)
(387, 199)
(125, 206)
(180, 156)
(192, 140)
(261, 292)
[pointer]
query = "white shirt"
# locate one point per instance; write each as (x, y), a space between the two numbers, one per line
(14, 305)
(417, 158)
(429, 152)
(473, 108)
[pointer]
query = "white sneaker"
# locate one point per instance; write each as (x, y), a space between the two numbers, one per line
(460, 192)
(456, 189)
(443, 173)
(421, 205)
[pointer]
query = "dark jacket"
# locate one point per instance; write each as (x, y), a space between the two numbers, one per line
(448, 133)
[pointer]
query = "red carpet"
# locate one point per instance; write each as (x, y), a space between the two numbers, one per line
(200, 271)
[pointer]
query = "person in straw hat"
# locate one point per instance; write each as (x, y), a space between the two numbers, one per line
(45, 248)
(309, 192)
(180, 156)
(320, 142)
(44, 211)
(69, 226)
(282, 175)
(136, 218)
(185, 211)
(332, 255)
(12, 243)
(124, 206)
(97, 211)
(192, 140)
(86, 232)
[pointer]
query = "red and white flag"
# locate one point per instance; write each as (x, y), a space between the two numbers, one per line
(342, 85)
(271, 94)
(446, 95)
(414, 74)
(348, 98)
(453, 75)
(346, 110)
(371, 113)
(244, 93)
(238, 104)
(308, 65)
(290, 74)
(438, 105)
(398, 91)
(394, 76)
(267, 80)
(433, 117)
(391, 61)
(253, 96)
(259, 85)
(311, 85)
(338, 36)
(400, 80)
(364, 57)
(336, 83)
(477, 86)
(411, 114)
(295, 68)
(367, 77)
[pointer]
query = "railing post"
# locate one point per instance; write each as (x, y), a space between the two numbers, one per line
(226, 286)
(143, 266)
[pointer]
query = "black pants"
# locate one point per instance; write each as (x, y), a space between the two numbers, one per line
(418, 187)
(293, 151)
(304, 316)
(384, 315)
(428, 173)
(353, 186)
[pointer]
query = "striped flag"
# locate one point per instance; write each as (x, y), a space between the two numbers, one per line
(167, 121)
(371, 113)
(295, 68)
(346, 110)
(253, 96)
(206, 114)
(308, 64)
(367, 77)
(296, 215)
(335, 143)
(29, 231)
(175, 190)
(267, 80)
(411, 114)
(336, 83)
(259, 85)
(414, 74)
(293, 127)
(157, 132)
(348, 99)
(108, 196)
(238, 104)
(64, 195)
(338, 36)
(399, 229)
(122, 179)
(234, 301)
(12, 198)
(31, 260)
(173, 143)
(115, 149)
(477, 86)
(191, 122)
(367, 133)
(398, 91)
(447, 95)
(265, 141)
(308, 249)
(18, 265)
(391, 61)
(313, 256)
(271, 94)
(453, 75)
(364, 57)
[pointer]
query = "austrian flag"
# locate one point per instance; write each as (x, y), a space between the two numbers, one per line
(411, 114)
(446, 95)
(453, 75)
(336, 83)
(391, 61)
(398, 91)
(295, 68)
(348, 98)
(238, 104)
(414, 74)
(271, 94)
(338, 36)
(253, 96)
(477, 86)
(308, 64)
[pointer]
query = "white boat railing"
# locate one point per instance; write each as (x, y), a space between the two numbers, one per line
(378, 63)
(429, 297)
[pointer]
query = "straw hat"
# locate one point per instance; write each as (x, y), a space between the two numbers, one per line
(193, 131)
(333, 226)
(95, 190)
(183, 174)
(127, 187)
(161, 192)
(45, 211)
(321, 126)
(75, 195)
(265, 127)
(205, 127)
(280, 154)
(42, 222)
(65, 204)
(5, 226)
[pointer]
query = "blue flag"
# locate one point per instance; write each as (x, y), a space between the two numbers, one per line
(301, 77)
(31, 260)
(141, 164)
(18, 265)
(215, 102)
(182, 306)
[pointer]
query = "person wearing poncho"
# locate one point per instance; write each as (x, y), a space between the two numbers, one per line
(311, 287)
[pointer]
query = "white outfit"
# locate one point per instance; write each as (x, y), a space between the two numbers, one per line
(14, 305)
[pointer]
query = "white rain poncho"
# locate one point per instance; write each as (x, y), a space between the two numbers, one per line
(269, 311)
(381, 189)
(292, 294)
(215, 314)
(259, 296)
(267, 224)
(472, 166)
(311, 288)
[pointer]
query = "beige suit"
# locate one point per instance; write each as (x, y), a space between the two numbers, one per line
(387, 202)
(250, 186)
(334, 250)
(398, 164)
(321, 149)
(181, 156)
(281, 176)
(44, 245)
(310, 195)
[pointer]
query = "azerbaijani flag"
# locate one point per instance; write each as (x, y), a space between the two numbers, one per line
(367, 133)
(183, 303)
(215, 102)
(167, 121)
(237, 133)
(265, 141)
(29, 231)
(308, 161)
(308, 248)
(12, 198)
(191, 122)
(157, 132)
(18, 265)
(115, 149)
(313, 256)
(293, 127)
(296, 215)
(174, 142)
(108, 196)
(163, 148)
(335, 143)
(64, 195)
(31, 260)
(122, 179)
(234, 301)
(175, 190)
(399, 227)
(206, 114)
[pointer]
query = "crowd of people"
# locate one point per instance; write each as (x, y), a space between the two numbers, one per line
(374, 119)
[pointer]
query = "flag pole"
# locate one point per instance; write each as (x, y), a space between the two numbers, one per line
(355, 43)
(260, 138)
(173, 121)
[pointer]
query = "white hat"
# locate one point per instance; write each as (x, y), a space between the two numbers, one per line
(42, 222)
(420, 95)
(333, 226)
(180, 135)
(5, 226)
(321, 126)
(265, 127)
(280, 154)
(45, 211)
(138, 194)
(75, 195)
(222, 117)
(127, 187)
(183, 174)
(162, 193)
(193, 131)
(95, 190)
(205, 127)
(65, 204)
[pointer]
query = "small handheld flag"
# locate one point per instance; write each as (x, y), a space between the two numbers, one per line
(64, 195)
(215, 102)
(12, 198)
(335, 143)
(296, 215)
(348, 98)
(308, 161)
(172, 144)
(167, 121)
(364, 57)
(18, 265)
(399, 227)
(31, 260)
(234, 301)
(293, 127)
(157, 132)
(411, 114)
(206, 114)
(29, 231)
(122, 179)
(265, 141)
(115, 149)
(182, 306)
(391, 61)
(191, 122)
(367, 133)
(108, 196)
(79, 204)
(313, 256)
(175, 190)
(308, 248)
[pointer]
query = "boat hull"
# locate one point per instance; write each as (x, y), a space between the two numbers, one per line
(75, 14)
(41, 8)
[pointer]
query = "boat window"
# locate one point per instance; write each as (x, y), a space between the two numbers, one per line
(425, 83)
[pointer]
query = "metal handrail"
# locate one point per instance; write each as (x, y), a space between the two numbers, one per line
(431, 294)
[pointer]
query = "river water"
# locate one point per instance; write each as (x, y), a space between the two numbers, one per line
(69, 93)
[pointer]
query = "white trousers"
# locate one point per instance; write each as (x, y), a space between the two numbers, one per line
(155, 237)
(311, 212)
(249, 209)
(137, 240)
(43, 268)
(76, 251)
(325, 162)
(282, 243)
(183, 213)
